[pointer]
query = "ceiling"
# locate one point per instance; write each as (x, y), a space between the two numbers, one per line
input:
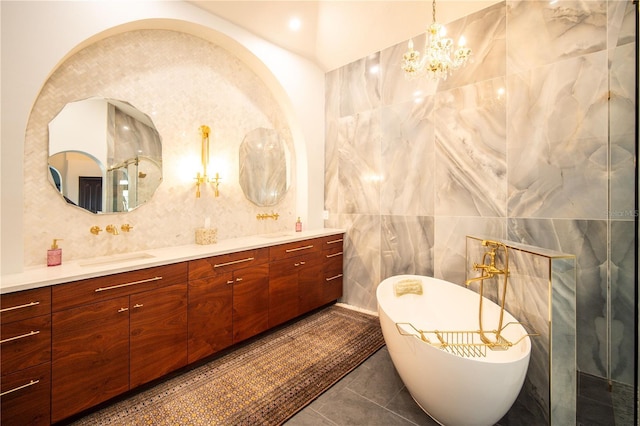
(334, 33)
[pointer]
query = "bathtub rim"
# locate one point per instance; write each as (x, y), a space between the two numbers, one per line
(526, 341)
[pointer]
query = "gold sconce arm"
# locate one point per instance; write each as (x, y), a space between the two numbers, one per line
(216, 182)
(201, 177)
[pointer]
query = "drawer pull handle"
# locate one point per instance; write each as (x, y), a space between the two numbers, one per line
(238, 280)
(334, 255)
(299, 248)
(230, 282)
(26, 305)
(333, 278)
(123, 309)
(128, 284)
(233, 262)
(335, 241)
(302, 263)
(138, 305)
(296, 264)
(22, 336)
(31, 383)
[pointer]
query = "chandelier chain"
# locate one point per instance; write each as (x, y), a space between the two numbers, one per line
(434, 10)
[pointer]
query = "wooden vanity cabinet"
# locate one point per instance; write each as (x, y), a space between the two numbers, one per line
(113, 333)
(294, 280)
(228, 300)
(332, 268)
(25, 357)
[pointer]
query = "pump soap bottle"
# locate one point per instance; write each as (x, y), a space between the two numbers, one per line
(54, 254)
(298, 225)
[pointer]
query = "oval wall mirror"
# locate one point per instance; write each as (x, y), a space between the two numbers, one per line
(105, 156)
(264, 167)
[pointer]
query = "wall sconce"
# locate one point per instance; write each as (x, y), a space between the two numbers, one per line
(202, 178)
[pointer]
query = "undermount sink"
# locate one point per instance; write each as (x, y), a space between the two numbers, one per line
(116, 259)
(277, 234)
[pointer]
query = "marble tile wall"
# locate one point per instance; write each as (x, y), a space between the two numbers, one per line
(181, 82)
(518, 145)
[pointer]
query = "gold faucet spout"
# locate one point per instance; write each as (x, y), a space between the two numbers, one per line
(480, 278)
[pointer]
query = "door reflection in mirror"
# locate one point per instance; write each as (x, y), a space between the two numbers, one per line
(104, 155)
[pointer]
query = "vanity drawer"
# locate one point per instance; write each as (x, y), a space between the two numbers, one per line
(203, 268)
(289, 250)
(333, 242)
(92, 290)
(25, 304)
(25, 343)
(25, 396)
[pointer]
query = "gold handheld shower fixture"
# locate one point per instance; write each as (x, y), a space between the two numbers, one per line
(489, 270)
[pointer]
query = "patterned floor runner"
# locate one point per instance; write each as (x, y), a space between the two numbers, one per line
(262, 383)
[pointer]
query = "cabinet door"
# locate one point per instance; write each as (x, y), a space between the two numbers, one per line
(283, 291)
(90, 356)
(210, 315)
(250, 302)
(158, 332)
(310, 286)
(25, 397)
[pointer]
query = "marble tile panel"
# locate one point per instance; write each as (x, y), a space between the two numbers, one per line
(361, 260)
(406, 245)
(622, 86)
(587, 240)
(470, 140)
(563, 341)
(557, 156)
(621, 22)
(622, 180)
(623, 308)
(331, 164)
(542, 32)
(408, 152)
(332, 95)
(485, 34)
(359, 86)
(359, 167)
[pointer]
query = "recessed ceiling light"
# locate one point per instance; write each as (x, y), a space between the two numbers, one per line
(295, 24)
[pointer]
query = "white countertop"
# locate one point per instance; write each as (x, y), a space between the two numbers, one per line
(42, 276)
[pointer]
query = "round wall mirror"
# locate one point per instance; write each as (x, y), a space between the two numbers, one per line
(105, 156)
(264, 167)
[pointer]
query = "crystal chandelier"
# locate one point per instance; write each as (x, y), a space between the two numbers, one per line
(436, 61)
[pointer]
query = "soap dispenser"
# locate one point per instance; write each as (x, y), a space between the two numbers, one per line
(54, 254)
(298, 225)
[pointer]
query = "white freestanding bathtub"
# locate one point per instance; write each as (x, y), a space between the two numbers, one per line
(452, 389)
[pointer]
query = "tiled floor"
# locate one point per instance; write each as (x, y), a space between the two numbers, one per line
(373, 394)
